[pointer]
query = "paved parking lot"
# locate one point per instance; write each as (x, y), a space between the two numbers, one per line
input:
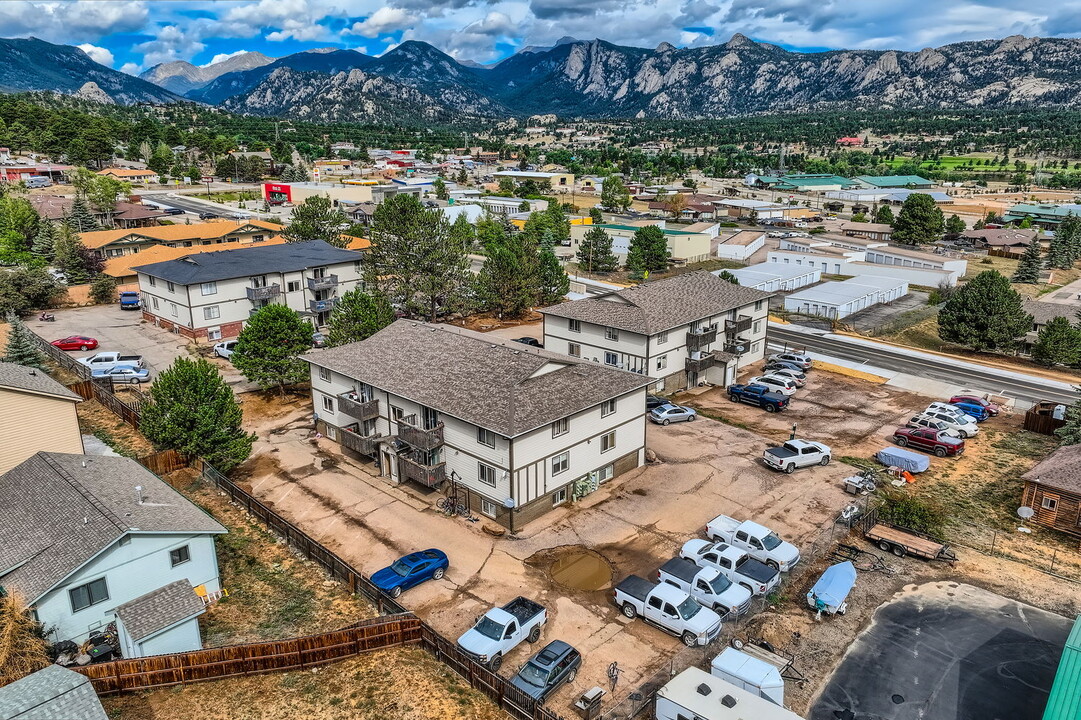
(946, 651)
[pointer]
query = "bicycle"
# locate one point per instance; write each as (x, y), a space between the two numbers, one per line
(452, 505)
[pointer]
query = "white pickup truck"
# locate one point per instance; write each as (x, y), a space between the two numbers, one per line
(706, 585)
(500, 630)
(110, 360)
(797, 454)
(669, 608)
(734, 564)
(759, 541)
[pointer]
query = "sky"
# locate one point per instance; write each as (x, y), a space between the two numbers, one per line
(132, 35)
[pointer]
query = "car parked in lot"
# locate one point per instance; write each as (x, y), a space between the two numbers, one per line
(771, 366)
(129, 300)
(803, 362)
(668, 413)
(411, 570)
(555, 664)
(76, 342)
(758, 540)
(319, 340)
(967, 399)
(928, 440)
(795, 376)
(706, 585)
(922, 421)
(797, 454)
(668, 608)
(977, 412)
(130, 374)
(784, 386)
(954, 417)
(531, 342)
(225, 349)
(500, 630)
(759, 395)
(735, 564)
(109, 360)
(653, 401)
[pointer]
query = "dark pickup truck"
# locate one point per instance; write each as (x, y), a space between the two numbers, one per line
(759, 395)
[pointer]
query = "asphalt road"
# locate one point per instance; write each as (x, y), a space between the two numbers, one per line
(1023, 388)
(948, 652)
(193, 206)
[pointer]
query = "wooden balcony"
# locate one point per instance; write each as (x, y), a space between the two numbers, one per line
(737, 346)
(704, 336)
(740, 324)
(318, 306)
(324, 283)
(362, 410)
(414, 436)
(703, 363)
(267, 292)
(427, 475)
(365, 445)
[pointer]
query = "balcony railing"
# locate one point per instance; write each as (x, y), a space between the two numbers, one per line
(324, 283)
(701, 338)
(737, 346)
(703, 363)
(412, 434)
(353, 406)
(363, 444)
(318, 306)
(428, 475)
(740, 324)
(267, 292)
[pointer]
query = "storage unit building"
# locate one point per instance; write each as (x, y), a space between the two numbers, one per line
(771, 276)
(837, 300)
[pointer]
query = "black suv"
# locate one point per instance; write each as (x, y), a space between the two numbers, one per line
(556, 664)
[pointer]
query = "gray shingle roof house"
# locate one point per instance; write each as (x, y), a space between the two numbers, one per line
(226, 264)
(53, 693)
(159, 609)
(20, 377)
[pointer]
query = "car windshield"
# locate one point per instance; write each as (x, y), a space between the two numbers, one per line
(489, 628)
(688, 608)
(534, 675)
(720, 584)
(400, 568)
(771, 541)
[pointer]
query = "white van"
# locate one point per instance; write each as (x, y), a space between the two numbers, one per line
(38, 181)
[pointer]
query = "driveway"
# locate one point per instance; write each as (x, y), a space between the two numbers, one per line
(632, 525)
(946, 651)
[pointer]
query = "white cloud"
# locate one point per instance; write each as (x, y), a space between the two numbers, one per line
(130, 68)
(98, 54)
(222, 57)
(171, 43)
(383, 21)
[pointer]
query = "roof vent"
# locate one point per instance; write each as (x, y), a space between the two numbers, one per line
(33, 373)
(139, 494)
(728, 701)
(704, 689)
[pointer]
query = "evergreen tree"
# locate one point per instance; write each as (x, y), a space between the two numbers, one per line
(193, 410)
(648, 251)
(44, 241)
(552, 281)
(24, 289)
(440, 189)
(103, 289)
(462, 178)
(920, 221)
(614, 195)
(726, 275)
(955, 225)
(81, 219)
(507, 283)
(984, 314)
(357, 316)
(1064, 248)
(859, 218)
(317, 219)
(595, 252)
(595, 216)
(268, 347)
(884, 215)
(1026, 223)
(463, 233)
(1028, 269)
(490, 232)
(558, 222)
(1070, 433)
(21, 348)
(1059, 343)
(78, 262)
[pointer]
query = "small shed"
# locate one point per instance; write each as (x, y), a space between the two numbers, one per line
(160, 622)
(51, 694)
(1053, 490)
(1064, 701)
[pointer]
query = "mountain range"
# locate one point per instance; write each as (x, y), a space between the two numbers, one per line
(576, 78)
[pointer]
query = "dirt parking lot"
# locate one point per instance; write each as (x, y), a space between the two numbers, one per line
(632, 525)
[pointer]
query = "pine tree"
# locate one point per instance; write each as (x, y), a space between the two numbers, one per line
(317, 219)
(357, 316)
(728, 276)
(440, 189)
(81, 219)
(1070, 433)
(1065, 246)
(463, 233)
(552, 281)
(1030, 266)
(955, 225)
(984, 314)
(920, 221)
(1058, 343)
(596, 216)
(193, 410)
(507, 283)
(21, 348)
(648, 251)
(884, 215)
(595, 252)
(44, 241)
(78, 262)
(268, 347)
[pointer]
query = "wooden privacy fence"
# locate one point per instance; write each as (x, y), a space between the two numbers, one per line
(164, 462)
(157, 671)
(1040, 420)
(130, 411)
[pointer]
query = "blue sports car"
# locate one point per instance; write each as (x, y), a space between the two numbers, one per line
(413, 569)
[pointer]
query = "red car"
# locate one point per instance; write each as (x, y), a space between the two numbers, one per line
(990, 407)
(929, 440)
(76, 342)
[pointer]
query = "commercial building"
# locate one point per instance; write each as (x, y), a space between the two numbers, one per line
(845, 255)
(209, 296)
(741, 245)
(683, 245)
(912, 182)
(836, 300)
(682, 331)
(819, 182)
(1045, 216)
(506, 205)
(871, 231)
(774, 277)
(519, 430)
(744, 208)
(556, 180)
(893, 196)
(278, 193)
(38, 414)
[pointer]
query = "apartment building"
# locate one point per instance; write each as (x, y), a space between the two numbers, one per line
(519, 429)
(209, 296)
(118, 243)
(681, 331)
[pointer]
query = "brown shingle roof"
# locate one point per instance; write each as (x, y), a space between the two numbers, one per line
(1061, 470)
(497, 384)
(996, 237)
(176, 233)
(867, 227)
(660, 305)
(158, 609)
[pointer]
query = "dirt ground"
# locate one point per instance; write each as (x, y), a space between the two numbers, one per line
(97, 420)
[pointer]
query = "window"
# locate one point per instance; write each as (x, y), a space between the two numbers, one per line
(257, 238)
(608, 407)
(324, 374)
(213, 333)
(172, 309)
(328, 403)
(487, 507)
(486, 437)
(152, 280)
(561, 427)
(211, 312)
(574, 325)
(610, 333)
(662, 362)
(560, 463)
(486, 474)
(92, 593)
(179, 556)
(574, 350)
(169, 285)
(662, 338)
(292, 286)
(559, 496)
(610, 358)
(1049, 503)
(757, 327)
(155, 302)
(608, 441)
(209, 288)
(758, 304)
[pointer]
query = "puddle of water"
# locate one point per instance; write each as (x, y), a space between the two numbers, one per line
(581, 569)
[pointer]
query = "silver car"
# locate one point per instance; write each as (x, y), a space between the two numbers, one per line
(669, 413)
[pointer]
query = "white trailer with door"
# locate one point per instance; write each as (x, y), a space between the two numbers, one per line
(696, 694)
(750, 674)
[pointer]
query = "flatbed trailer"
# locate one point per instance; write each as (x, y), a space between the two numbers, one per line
(901, 542)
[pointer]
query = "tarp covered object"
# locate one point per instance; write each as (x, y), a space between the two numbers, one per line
(834, 585)
(914, 462)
